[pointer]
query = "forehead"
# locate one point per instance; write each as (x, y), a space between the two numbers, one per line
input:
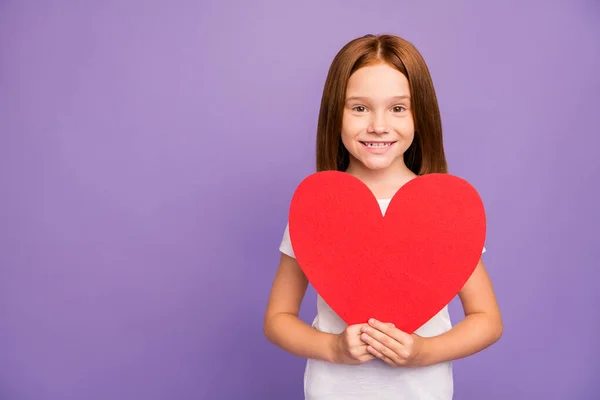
(379, 79)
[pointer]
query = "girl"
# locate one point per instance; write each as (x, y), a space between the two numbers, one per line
(379, 121)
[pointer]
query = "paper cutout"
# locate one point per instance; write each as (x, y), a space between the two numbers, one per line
(403, 267)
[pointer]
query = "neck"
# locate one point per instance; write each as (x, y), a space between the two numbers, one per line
(382, 182)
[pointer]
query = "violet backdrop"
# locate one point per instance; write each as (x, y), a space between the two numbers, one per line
(149, 151)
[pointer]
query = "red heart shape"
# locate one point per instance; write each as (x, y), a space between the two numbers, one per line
(403, 267)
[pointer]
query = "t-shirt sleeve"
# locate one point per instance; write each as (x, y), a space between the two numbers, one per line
(286, 244)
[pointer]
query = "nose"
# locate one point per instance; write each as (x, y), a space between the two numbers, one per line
(377, 124)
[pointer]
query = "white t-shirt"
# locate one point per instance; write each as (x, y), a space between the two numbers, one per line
(373, 380)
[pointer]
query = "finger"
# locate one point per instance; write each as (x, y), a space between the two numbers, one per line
(381, 356)
(361, 350)
(375, 338)
(367, 357)
(356, 329)
(361, 353)
(381, 348)
(390, 330)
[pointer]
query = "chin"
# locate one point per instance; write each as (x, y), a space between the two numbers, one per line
(377, 165)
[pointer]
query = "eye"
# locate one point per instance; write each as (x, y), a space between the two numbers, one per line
(359, 108)
(399, 108)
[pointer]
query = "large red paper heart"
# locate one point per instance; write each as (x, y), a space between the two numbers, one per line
(403, 267)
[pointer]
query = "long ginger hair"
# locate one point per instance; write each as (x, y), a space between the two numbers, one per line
(426, 153)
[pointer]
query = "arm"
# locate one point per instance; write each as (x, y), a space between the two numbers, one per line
(481, 327)
(281, 324)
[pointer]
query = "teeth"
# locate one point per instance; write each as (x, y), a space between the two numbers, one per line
(377, 144)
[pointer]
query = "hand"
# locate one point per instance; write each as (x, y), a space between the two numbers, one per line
(388, 343)
(348, 348)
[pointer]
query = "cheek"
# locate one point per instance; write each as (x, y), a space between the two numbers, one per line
(407, 131)
(351, 129)
(348, 135)
(347, 141)
(408, 139)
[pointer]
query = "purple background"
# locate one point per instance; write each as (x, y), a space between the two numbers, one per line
(149, 152)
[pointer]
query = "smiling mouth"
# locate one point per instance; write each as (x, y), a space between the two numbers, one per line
(377, 145)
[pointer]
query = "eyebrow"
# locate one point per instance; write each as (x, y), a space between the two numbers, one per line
(402, 97)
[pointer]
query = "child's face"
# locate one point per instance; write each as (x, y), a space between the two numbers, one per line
(378, 125)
